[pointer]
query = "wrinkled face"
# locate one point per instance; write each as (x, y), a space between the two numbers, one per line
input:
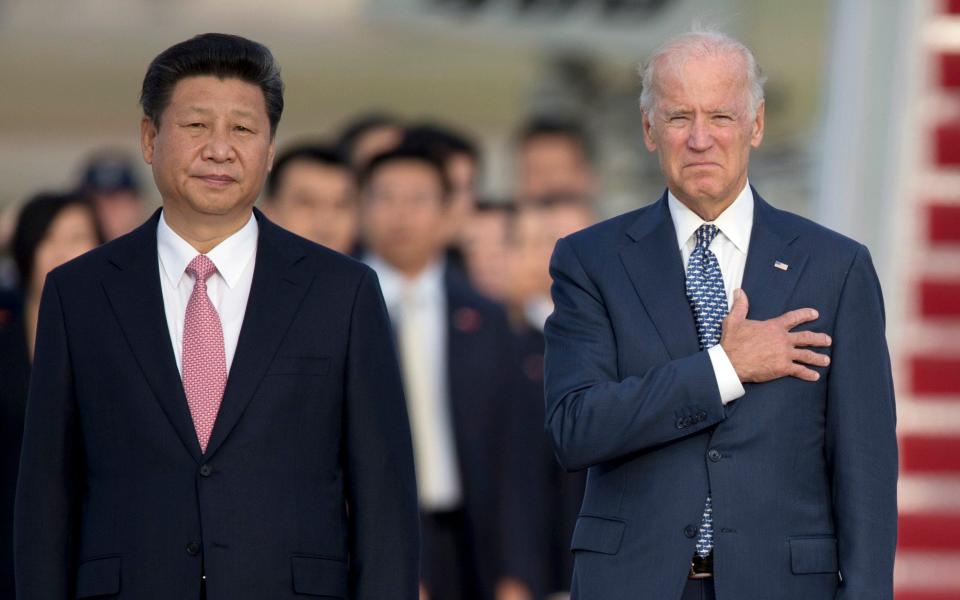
(72, 232)
(213, 148)
(702, 130)
(318, 202)
(553, 164)
(404, 215)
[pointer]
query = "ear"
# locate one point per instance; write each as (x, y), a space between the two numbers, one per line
(756, 136)
(271, 153)
(648, 139)
(148, 136)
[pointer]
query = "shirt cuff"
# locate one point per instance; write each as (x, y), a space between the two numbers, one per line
(727, 379)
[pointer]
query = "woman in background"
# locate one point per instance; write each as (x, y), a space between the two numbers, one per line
(51, 230)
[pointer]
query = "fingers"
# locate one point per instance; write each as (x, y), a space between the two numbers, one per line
(809, 338)
(738, 312)
(789, 320)
(802, 372)
(811, 358)
(741, 305)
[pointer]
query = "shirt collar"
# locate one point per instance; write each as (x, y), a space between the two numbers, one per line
(231, 256)
(428, 284)
(736, 222)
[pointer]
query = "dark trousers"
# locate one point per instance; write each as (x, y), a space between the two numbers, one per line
(447, 563)
(699, 589)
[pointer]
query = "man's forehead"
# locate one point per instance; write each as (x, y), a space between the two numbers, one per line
(703, 87)
(203, 93)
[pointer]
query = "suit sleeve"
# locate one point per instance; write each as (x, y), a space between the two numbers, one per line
(861, 440)
(592, 415)
(51, 464)
(381, 487)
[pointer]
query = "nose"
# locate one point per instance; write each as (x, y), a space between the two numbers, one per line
(700, 138)
(219, 147)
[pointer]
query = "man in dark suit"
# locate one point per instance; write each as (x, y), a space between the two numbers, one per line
(215, 407)
(459, 371)
(731, 455)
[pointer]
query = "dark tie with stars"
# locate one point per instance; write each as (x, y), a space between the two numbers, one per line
(708, 298)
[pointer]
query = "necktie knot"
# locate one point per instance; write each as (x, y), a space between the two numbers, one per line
(705, 235)
(201, 267)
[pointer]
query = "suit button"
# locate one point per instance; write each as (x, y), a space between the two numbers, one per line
(687, 422)
(702, 416)
(714, 455)
(680, 424)
(690, 531)
(206, 470)
(193, 548)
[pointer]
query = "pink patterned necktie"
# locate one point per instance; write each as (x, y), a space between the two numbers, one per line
(204, 359)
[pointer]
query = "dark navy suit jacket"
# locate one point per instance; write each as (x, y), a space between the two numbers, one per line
(14, 378)
(307, 485)
(541, 501)
(803, 475)
(482, 378)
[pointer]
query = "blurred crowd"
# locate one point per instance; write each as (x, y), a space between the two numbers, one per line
(467, 285)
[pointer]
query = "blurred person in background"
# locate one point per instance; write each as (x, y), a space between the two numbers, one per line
(367, 135)
(535, 230)
(215, 408)
(459, 372)
(483, 242)
(549, 498)
(720, 366)
(110, 179)
(51, 229)
(461, 159)
(311, 191)
(554, 157)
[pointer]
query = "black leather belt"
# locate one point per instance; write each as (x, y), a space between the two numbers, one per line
(701, 568)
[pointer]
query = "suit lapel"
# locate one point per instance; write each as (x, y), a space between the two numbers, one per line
(461, 321)
(136, 298)
(654, 265)
(279, 285)
(767, 285)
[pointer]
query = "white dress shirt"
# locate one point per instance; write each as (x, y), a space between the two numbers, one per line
(730, 247)
(418, 310)
(228, 288)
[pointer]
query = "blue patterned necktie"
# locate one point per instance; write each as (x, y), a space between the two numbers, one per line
(708, 298)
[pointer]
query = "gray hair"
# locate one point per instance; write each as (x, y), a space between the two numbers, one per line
(700, 42)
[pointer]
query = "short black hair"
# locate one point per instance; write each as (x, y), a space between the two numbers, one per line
(217, 54)
(33, 224)
(549, 126)
(440, 140)
(306, 152)
(405, 153)
(359, 125)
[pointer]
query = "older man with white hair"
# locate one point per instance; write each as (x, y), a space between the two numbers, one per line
(720, 367)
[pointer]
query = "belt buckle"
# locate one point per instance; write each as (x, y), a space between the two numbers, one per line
(706, 564)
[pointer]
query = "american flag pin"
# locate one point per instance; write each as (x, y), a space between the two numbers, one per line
(781, 265)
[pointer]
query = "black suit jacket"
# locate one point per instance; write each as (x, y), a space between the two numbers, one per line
(540, 501)
(14, 377)
(307, 485)
(482, 377)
